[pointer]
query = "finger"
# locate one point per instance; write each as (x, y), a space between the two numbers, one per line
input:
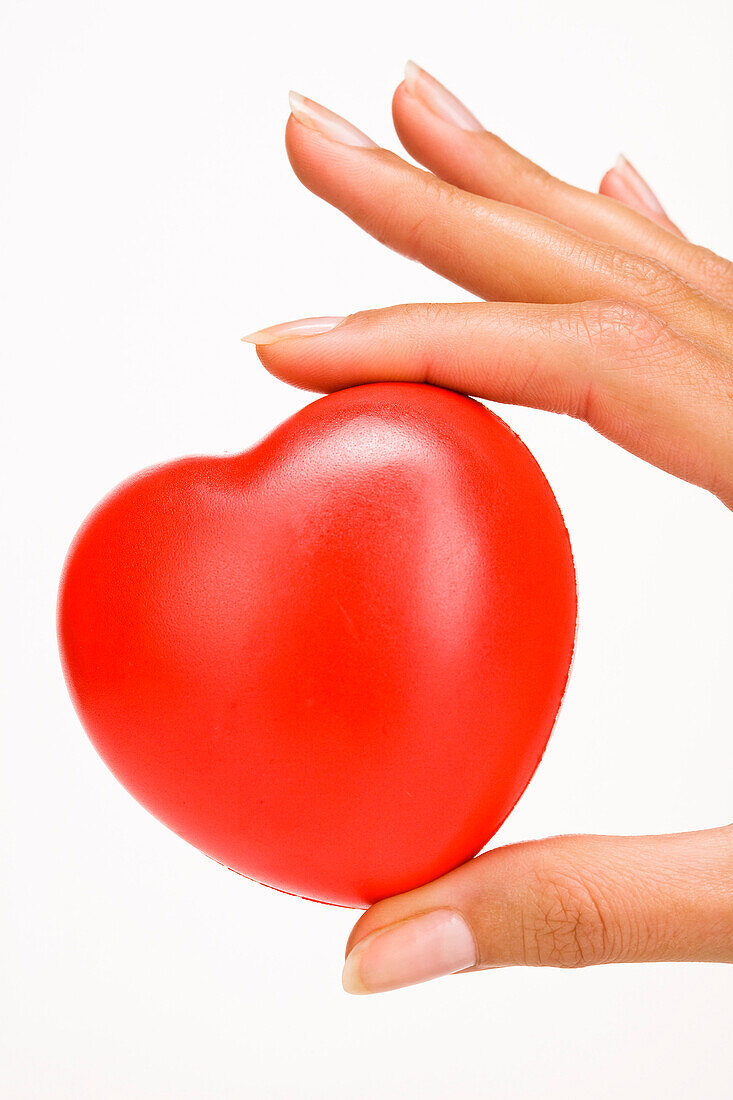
(566, 902)
(624, 183)
(439, 132)
(494, 250)
(612, 364)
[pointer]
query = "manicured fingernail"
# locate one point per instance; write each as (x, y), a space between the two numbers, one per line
(438, 99)
(332, 126)
(306, 326)
(411, 951)
(638, 185)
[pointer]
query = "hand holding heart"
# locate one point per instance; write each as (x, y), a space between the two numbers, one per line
(380, 597)
(595, 306)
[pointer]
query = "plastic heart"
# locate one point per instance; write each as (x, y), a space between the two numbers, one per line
(331, 662)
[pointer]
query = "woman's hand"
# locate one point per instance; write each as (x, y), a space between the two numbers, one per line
(598, 307)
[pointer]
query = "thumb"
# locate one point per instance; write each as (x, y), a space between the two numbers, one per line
(568, 901)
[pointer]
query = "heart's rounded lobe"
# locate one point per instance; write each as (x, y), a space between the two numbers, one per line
(332, 662)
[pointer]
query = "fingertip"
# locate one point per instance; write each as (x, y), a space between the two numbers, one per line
(614, 185)
(409, 120)
(281, 364)
(401, 99)
(358, 932)
(605, 187)
(297, 139)
(307, 148)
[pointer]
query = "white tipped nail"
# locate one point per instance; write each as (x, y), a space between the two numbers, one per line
(433, 95)
(327, 123)
(416, 950)
(306, 326)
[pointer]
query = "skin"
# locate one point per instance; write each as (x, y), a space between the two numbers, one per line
(595, 306)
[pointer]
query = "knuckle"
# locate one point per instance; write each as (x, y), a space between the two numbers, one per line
(417, 232)
(431, 233)
(714, 274)
(418, 328)
(649, 279)
(565, 924)
(542, 180)
(529, 178)
(422, 315)
(618, 326)
(419, 227)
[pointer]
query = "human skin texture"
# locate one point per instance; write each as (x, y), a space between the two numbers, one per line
(595, 306)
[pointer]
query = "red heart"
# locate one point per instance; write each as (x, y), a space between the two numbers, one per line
(332, 662)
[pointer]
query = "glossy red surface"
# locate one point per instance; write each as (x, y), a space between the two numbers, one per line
(332, 662)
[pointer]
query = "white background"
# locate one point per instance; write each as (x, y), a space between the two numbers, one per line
(149, 219)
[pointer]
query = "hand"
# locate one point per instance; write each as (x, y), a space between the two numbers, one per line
(602, 310)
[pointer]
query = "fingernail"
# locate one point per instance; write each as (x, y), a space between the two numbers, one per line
(411, 951)
(438, 99)
(332, 126)
(638, 185)
(306, 326)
